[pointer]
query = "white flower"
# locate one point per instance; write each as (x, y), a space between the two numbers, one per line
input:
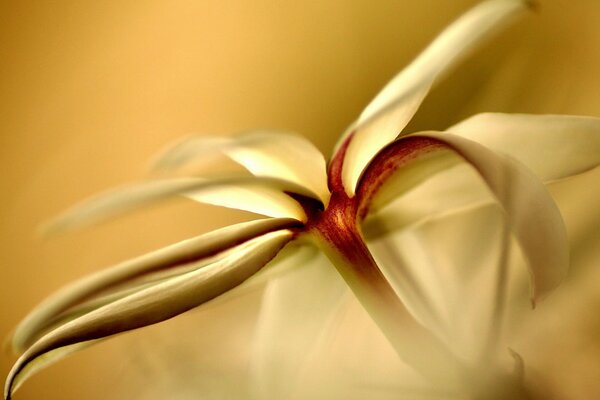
(381, 184)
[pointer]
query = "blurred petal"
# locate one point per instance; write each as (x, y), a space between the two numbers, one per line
(532, 214)
(391, 110)
(152, 305)
(190, 250)
(264, 153)
(298, 312)
(191, 149)
(577, 199)
(353, 360)
(552, 146)
(452, 276)
(261, 195)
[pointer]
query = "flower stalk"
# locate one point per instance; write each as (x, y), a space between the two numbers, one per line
(336, 232)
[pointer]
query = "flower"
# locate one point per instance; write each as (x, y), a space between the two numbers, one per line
(334, 208)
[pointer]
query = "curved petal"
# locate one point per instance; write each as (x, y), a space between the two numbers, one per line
(190, 250)
(552, 146)
(272, 154)
(298, 311)
(253, 197)
(152, 305)
(261, 195)
(401, 202)
(391, 110)
(532, 214)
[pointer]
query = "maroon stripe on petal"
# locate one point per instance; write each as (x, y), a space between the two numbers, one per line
(335, 167)
(386, 162)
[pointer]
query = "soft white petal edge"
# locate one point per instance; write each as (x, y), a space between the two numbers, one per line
(264, 196)
(552, 146)
(274, 154)
(391, 110)
(531, 212)
(189, 250)
(152, 305)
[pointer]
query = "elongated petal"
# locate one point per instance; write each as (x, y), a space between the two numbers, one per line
(552, 146)
(264, 153)
(189, 250)
(153, 305)
(261, 195)
(297, 313)
(391, 110)
(531, 212)
(251, 197)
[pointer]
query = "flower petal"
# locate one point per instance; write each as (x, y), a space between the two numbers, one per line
(261, 195)
(152, 305)
(298, 311)
(253, 197)
(190, 250)
(272, 154)
(532, 214)
(391, 110)
(552, 146)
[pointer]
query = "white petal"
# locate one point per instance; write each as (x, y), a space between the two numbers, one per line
(265, 196)
(155, 304)
(251, 196)
(167, 258)
(531, 212)
(552, 146)
(297, 313)
(391, 110)
(264, 153)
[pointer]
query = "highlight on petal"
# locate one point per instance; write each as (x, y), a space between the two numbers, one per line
(264, 196)
(151, 305)
(264, 153)
(531, 212)
(391, 110)
(112, 283)
(552, 146)
(256, 198)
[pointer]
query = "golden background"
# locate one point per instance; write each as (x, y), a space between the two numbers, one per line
(90, 91)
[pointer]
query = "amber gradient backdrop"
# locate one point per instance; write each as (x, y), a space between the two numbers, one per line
(89, 91)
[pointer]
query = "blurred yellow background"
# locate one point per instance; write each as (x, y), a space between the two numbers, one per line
(90, 91)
